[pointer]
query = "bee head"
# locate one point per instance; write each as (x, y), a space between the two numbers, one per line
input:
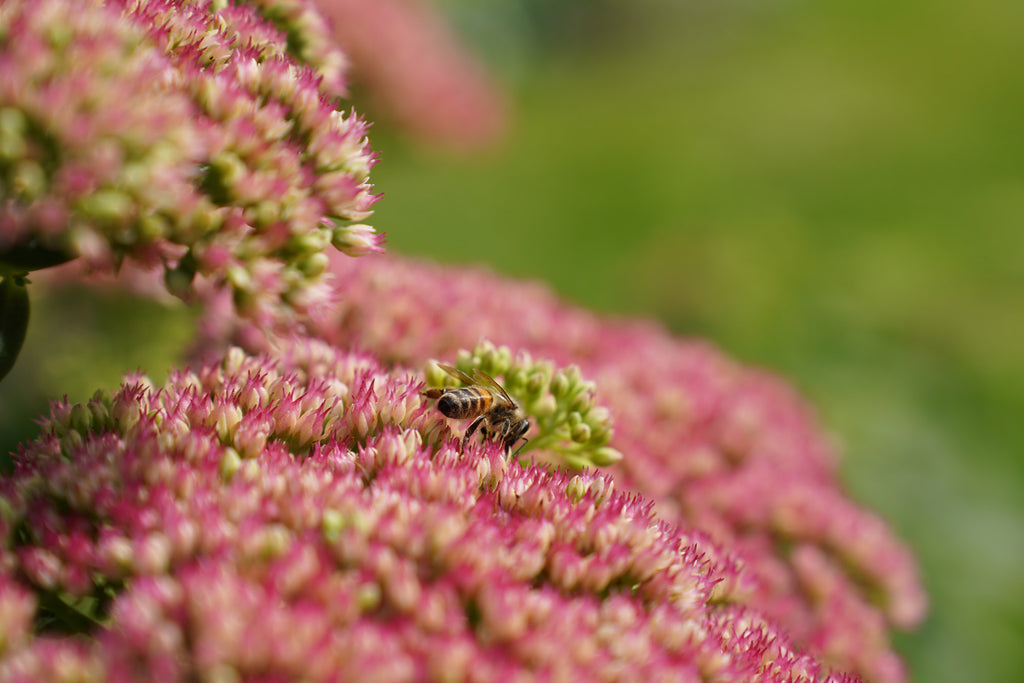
(519, 430)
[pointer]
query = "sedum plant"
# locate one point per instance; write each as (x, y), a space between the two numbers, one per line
(716, 446)
(200, 137)
(299, 518)
(291, 507)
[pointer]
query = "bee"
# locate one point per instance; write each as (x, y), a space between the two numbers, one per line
(496, 413)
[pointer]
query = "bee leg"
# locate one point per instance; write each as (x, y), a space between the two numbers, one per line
(472, 428)
(512, 455)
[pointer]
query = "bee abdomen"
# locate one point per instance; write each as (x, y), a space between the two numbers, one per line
(462, 403)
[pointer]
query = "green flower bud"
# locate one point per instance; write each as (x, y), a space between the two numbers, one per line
(12, 134)
(100, 416)
(368, 597)
(604, 456)
(229, 464)
(108, 206)
(559, 384)
(575, 489)
(581, 433)
(80, 419)
(126, 415)
(314, 265)
(537, 382)
(332, 524)
(29, 181)
(70, 442)
(576, 461)
(151, 227)
(239, 278)
(311, 242)
(545, 406)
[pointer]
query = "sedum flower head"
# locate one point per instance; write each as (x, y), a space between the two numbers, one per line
(718, 447)
(303, 518)
(92, 141)
(198, 136)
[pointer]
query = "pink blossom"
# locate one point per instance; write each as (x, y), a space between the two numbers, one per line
(726, 449)
(85, 103)
(346, 548)
(196, 137)
(416, 72)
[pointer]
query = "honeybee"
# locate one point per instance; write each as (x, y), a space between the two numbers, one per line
(496, 413)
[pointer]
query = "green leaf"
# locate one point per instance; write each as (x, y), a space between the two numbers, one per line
(14, 309)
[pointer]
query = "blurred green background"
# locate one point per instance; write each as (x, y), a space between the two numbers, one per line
(831, 189)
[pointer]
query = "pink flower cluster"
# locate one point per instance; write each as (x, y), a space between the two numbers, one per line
(194, 135)
(308, 517)
(414, 71)
(728, 450)
(92, 139)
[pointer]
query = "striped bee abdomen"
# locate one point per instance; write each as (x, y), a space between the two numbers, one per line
(463, 403)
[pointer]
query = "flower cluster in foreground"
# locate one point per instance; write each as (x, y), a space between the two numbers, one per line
(729, 450)
(200, 136)
(308, 517)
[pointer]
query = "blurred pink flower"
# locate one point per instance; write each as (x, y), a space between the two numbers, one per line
(729, 450)
(346, 545)
(415, 71)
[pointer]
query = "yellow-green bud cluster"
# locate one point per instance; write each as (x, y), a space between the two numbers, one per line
(567, 427)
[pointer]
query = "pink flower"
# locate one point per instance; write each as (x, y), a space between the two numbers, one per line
(416, 72)
(363, 544)
(199, 137)
(100, 153)
(728, 450)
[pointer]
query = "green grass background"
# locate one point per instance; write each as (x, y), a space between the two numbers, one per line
(832, 189)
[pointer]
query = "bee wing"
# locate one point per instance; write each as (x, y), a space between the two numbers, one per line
(457, 374)
(482, 377)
